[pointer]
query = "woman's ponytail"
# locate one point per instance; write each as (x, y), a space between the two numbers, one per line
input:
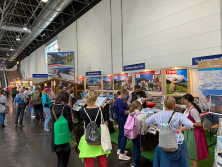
(190, 98)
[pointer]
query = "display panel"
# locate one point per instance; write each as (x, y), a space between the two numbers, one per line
(123, 80)
(149, 80)
(108, 82)
(216, 104)
(80, 80)
(62, 65)
(93, 83)
(176, 82)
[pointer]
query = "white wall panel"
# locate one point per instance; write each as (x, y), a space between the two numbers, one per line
(40, 60)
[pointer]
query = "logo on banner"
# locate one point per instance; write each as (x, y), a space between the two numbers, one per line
(171, 71)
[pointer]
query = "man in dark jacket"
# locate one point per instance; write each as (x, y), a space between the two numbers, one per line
(139, 94)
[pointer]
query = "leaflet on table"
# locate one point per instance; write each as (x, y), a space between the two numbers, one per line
(152, 130)
(147, 112)
(101, 101)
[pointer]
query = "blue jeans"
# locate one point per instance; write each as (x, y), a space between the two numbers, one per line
(32, 111)
(2, 119)
(47, 111)
(136, 149)
(13, 99)
(121, 137)
(20, 113)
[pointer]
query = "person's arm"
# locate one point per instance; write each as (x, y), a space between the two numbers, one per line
(129, 100)
(183, 120)
(104, 116)
(180, 106)
(121, 109)
(148, 97)
(196, 116)
(151, 120)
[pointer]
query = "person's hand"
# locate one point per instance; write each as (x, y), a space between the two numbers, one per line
(144, 99)
(127, 111)
(177, 131)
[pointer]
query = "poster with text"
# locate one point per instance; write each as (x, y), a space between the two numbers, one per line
(149, 80)
(62, 64)
(176, 81)
(123, 81)
(93, 83)
(108, 82)
(210, 83)
(80, 80)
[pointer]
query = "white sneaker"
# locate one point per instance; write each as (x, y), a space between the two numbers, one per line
(124, 157)
(47, 130)
(118, 152)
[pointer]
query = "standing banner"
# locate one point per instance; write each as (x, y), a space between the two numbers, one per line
(149, 80)
(62, 64)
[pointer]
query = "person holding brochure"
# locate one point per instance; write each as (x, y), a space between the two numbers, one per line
(137, 94)
(195, 137)
(122, 110)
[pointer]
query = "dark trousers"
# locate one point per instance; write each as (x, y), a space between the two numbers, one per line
(13, 99)
(136, 149)
(38, 109)
(63, 158)
(20, 114)
(121, 137)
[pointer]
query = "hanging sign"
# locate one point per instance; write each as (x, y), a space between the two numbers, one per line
(133, 67)
(195, 60)
(39, 78)
(93, 73)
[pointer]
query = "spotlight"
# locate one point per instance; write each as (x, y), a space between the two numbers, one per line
(8, 54)
(176, 68)
(11, 48)
(44, 1)
(17, 38)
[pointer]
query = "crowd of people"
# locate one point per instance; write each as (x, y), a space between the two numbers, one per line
(186, 128)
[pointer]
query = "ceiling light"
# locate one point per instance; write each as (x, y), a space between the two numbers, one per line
(17, 38)
(11, 48)
(17, 62)
(25, 27)
(44, 1)
(176, 68)
(8, 54)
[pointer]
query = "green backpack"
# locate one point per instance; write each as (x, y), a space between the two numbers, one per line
(61, 129)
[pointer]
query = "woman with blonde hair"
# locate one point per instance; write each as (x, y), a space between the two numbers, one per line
(47, 104)
(122, 110)
(92, 112)
(142, 129)
(179, 157)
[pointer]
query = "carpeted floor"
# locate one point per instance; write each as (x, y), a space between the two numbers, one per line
(150, 154)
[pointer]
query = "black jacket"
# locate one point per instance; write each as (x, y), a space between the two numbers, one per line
(67, 115)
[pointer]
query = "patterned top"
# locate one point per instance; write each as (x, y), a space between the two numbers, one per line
(179, 119)
(194, 113)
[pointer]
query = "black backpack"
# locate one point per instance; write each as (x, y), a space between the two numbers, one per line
(92, 135)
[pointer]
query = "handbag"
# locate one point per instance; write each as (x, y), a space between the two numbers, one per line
(167, 140)
(61, 129)
(3, 108)
(105, 135)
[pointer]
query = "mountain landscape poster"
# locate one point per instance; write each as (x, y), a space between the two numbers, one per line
(176, 81)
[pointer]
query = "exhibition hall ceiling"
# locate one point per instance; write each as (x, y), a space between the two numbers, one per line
(25, 25)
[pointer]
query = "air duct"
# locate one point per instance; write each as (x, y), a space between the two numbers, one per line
(15, 28)
(47, 15)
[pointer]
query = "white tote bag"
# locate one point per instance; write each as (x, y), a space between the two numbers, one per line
(105, 136)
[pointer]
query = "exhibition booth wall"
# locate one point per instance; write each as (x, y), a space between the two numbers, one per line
(161, 34)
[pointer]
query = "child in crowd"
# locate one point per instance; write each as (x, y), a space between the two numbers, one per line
(142, 129)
